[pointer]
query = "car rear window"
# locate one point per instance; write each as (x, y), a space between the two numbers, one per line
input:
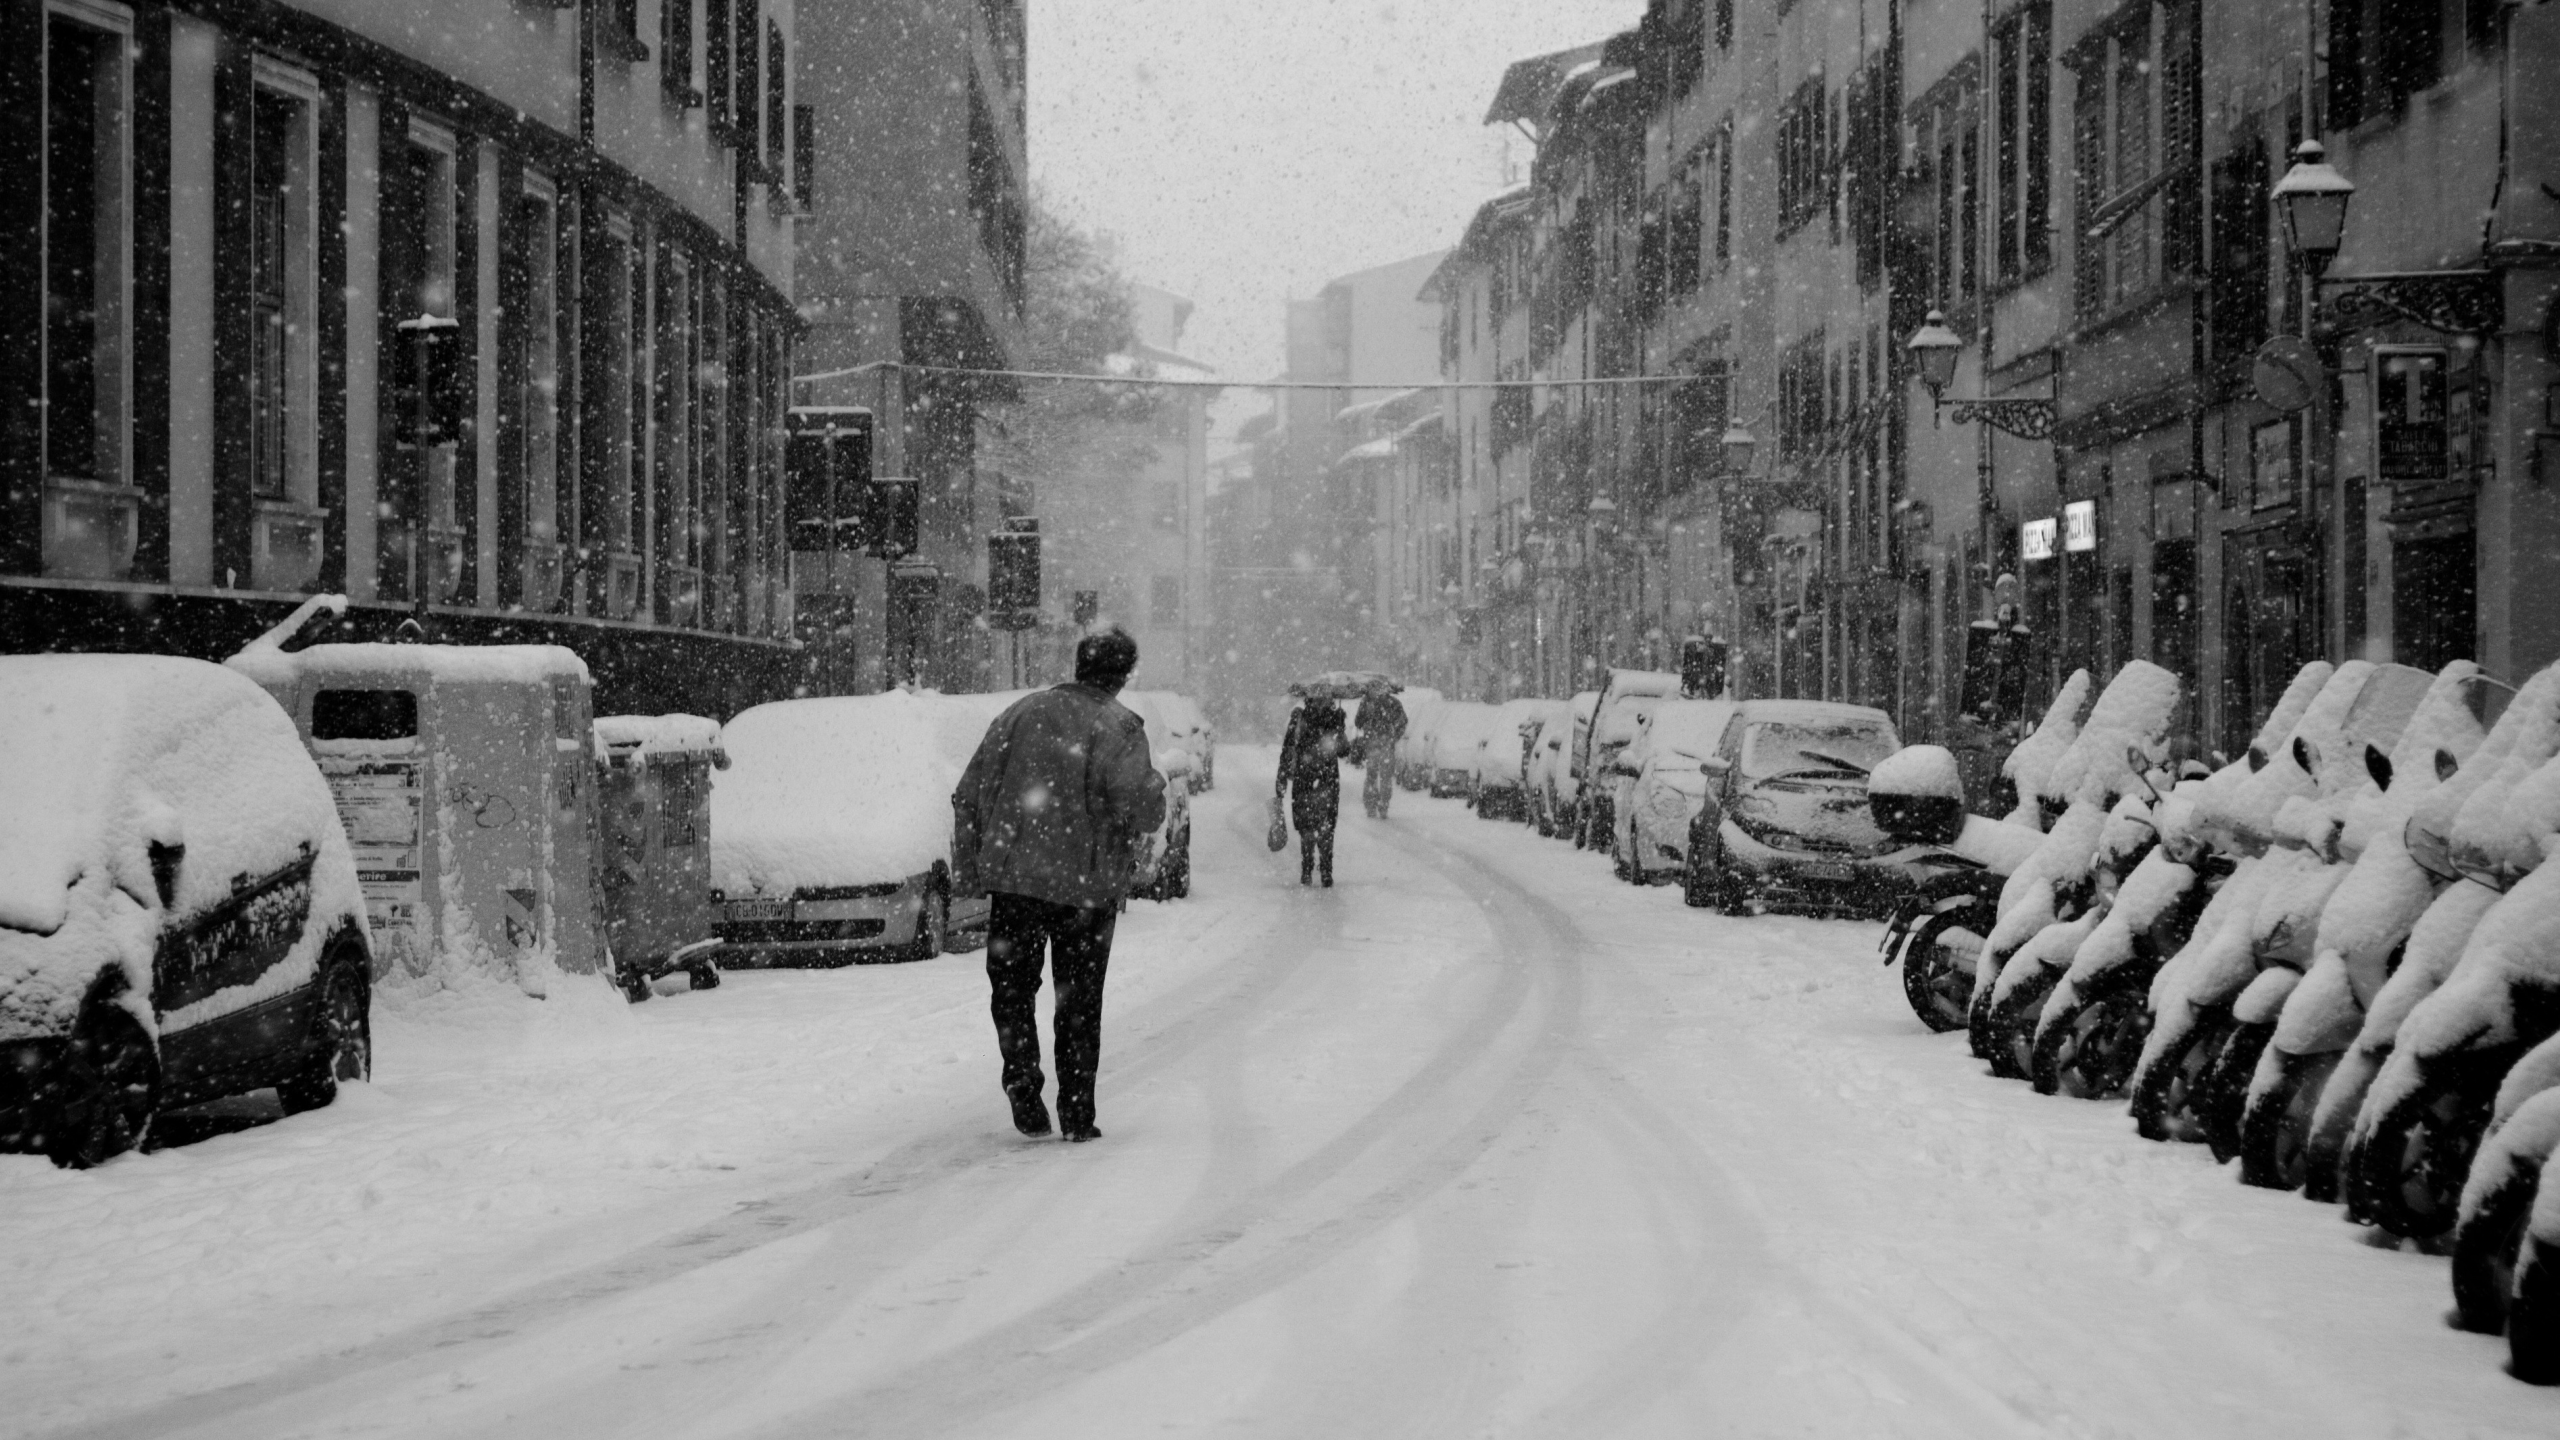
(364, 715)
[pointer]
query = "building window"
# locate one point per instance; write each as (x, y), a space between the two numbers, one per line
(718, 36)
(804, 158)
(1724, 193)
(430, 533)
(2022, 146)
(87, 220)
(675, 53)
(1687, 202)
(1803, 152)
(777, 106)
(2242, 248)
(1800, 398)
(1724, 24)
(1166, 608)
(2381, 52)
(618, 30)
(1870, 156)
(1948, 144)
(2133, 129)
(746, 107)
(536, 263)
(284, 243)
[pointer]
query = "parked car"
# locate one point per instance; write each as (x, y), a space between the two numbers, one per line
(1501, 789)
(1186, 728)
(180, 917)
(1423, 707)
(1786, 820)
(1626, 698)
(1554, 777)
(831, 828)
(1164, 860)
(1664, 787)
(1462, 730)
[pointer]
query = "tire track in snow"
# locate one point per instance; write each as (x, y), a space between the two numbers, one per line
(1198, 1011)
(1255, 1245)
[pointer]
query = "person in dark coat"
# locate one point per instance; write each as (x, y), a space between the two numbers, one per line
(1311, 770)
(1382, 724)
(1046, 823)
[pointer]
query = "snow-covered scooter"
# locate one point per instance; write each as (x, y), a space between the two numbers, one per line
(2362, 929)
(2056, 889)
(1917, 796)
(2418, 1126)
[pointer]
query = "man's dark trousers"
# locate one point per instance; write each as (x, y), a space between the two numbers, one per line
(1078, 940)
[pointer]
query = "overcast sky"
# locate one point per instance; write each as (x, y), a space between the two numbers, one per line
(1245, 151)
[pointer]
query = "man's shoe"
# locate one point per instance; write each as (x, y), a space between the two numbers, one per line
(1030, 1115)
(1081, 1133)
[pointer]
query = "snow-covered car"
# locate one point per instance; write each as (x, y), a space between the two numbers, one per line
(1666, 785)
(1456, 740)
(1164, 858)
(1553, 776)
(1625, 701)
(1502, 765)
(1423, 708)
(1786, 820)
(1185, 727)
(180, 917)
(831, 828)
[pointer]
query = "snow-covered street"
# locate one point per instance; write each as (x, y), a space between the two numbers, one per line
(1480, 1142)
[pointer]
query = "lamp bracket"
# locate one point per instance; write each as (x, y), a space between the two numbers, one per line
(2455, 302)
(2027, 417)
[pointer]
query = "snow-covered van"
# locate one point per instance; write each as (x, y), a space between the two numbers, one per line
(179, 912)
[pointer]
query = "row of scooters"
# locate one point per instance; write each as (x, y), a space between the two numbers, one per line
(2336, 958)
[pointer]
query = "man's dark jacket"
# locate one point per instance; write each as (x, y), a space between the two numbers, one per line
(1055, 801)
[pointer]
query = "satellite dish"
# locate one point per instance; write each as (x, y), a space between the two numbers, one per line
(2286, 372)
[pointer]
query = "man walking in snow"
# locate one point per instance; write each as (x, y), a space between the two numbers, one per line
(1046, 823)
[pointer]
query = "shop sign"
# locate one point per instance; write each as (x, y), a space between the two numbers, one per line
(2036, 538)
(2080, 525)
(2409, 413)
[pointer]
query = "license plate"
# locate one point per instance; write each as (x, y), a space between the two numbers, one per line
(759, 909)
(1826, 872)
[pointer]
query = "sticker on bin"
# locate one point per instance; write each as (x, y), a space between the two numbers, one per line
(759, 909)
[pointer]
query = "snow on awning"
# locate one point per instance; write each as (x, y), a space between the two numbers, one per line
(1378, 449)
(1427, 422)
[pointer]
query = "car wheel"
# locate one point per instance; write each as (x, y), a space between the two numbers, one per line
(1181, 886)
(341, 1039)
(2533, 1315)
(705, 976)
(933, 925)
(107, 1090)
(633, 980)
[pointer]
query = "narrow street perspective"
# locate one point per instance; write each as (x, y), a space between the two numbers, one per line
(679, 683)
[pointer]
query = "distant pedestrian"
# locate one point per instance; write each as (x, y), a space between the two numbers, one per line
(1311, 770)
(1047, 823)
(1382, 722)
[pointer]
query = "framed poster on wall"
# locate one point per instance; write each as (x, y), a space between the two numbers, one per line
(2409, 434)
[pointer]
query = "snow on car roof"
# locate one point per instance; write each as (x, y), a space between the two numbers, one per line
(107, 754)
(850, 789)
(1689, 727)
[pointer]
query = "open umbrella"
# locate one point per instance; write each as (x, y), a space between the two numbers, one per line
(1346, 685)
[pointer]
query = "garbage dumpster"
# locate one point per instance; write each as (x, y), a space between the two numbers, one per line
(654, 800)
(464, 775)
